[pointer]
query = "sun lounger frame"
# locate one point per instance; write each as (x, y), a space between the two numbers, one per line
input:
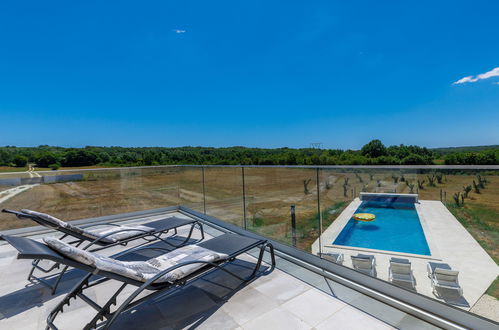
(231, 244)
(99, 243)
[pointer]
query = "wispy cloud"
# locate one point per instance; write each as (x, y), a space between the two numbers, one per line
(492, 73)
(179, 31)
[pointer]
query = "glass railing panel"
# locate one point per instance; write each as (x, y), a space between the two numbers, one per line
(224, 194)
(80, 194)
(273, 195)
(191, 188)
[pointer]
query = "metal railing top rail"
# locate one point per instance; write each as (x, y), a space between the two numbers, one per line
(381, 167)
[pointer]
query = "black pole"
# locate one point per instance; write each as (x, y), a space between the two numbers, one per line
(440, 194)
(204, 191)
(244, 199)
(293, 225)
(319, 208)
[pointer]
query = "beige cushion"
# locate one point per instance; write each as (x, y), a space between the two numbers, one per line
(122, 232)
(141, 270)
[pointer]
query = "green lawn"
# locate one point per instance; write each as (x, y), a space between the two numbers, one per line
(483, 224)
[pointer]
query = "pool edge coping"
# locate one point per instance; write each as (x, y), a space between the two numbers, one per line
(341, 221)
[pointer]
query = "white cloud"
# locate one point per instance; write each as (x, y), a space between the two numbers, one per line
(492, 73)
(179, 31)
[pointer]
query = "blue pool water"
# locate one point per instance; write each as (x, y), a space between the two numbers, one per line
(396, 228)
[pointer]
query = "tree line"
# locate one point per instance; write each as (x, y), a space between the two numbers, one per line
(373, 153)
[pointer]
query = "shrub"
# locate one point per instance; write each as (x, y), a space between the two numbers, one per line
(457, 199)
(431, 180)
(20, 161)
(86, 158)
(481, 181)
(45, 159)
(411, 186)
(420, 184)
(439, 177)
(414, 159)
(54, 167)
(466, 190)
(305, 186)
(476, 187)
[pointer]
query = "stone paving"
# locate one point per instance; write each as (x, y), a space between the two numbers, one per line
(289, 297)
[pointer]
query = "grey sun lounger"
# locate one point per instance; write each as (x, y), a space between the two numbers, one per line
(443, 277)
(400, 272)
(337, 258)
(364, 263)
(164, 272)
(98, 240)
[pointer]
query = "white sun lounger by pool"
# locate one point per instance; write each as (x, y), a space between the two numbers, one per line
(364, 263)
(400, 272)
(442, 276)
(337, 258)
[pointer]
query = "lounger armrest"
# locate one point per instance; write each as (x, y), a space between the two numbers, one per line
(18, 214)
(99, 239)
(166, 271)
(100, 224)
(366, 257)
(436, 283)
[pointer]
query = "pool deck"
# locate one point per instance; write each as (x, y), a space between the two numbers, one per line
(449, 243)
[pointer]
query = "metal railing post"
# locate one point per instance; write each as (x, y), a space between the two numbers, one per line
(319, 210)
(244, 200)
(293, 225)
(204, 190)
(178, 191)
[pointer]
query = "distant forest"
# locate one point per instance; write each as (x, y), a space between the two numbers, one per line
(373, 153)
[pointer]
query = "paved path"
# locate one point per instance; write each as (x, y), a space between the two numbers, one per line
(9, 193)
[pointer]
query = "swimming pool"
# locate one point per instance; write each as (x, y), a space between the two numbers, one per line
(397, 228)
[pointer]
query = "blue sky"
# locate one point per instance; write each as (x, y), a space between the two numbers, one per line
(252, 73)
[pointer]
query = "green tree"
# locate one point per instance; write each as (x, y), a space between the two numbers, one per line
(413, 159)
(374, 149)
(80, 158)
(20, 161)
(46, 159)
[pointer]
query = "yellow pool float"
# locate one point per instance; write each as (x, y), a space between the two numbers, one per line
(364, 216)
